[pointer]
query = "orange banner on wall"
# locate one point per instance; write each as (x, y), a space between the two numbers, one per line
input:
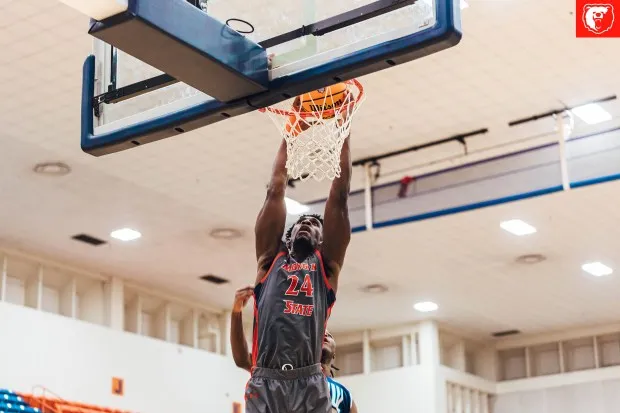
(118, 386)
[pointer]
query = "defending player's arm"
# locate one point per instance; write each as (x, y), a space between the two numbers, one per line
(272, 217)
(336, 227)
(353, 407)
(237, 336)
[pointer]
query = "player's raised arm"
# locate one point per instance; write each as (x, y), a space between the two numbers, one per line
(336, 227)
(238, 343)
(272, 217)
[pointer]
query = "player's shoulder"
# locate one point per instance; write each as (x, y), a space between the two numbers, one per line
(337, 384)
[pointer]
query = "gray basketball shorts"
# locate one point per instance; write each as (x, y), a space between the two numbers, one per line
(303, 390)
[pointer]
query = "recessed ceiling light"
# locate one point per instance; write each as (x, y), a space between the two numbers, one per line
(125, 234)
(52, 168)
(295, 208)
(464, 4)
(592, 113)
(425, 307)
(598, 269)
(517, 227)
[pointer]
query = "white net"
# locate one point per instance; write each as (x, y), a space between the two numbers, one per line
(315, 127)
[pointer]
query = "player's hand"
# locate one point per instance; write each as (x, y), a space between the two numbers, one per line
(346, 111)
(242, 295)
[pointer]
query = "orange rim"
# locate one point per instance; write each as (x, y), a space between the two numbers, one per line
(327, 113)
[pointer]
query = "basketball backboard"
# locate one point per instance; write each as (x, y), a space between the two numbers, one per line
(310, 43)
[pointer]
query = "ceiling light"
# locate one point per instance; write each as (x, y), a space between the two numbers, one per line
(517, 227)
(464, 4)
(295, 208)
(597, 269)
(426, 307)
(125, 234)
(592, 113)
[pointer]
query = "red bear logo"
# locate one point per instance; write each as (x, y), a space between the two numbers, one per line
(598, 18)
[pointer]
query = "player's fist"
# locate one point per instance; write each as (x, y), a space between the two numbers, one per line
(242, 295)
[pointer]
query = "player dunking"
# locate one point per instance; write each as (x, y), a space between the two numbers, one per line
(341, 400)
(295, 290)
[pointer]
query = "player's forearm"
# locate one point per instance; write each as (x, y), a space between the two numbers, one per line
(237, 341)
(336, 226)
(279, 177)
(341, 185)
(272, 217)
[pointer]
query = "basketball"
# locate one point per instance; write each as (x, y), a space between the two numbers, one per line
(323, 99)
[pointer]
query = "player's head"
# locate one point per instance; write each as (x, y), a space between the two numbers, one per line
(328, 352)
(306, 233)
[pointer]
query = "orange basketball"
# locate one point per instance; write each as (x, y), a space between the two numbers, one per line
(296, 125)
(330, 97)
(319, 101)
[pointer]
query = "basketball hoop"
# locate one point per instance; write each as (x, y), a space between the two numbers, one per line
(314, 138)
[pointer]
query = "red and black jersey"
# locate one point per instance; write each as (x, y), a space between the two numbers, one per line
(292, 304)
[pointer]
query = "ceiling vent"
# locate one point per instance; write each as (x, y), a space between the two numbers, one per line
(506, 333)
(530, 259)
(214, 279)
(374, 288)
(87, 239)
(52, 168)
(225, 233)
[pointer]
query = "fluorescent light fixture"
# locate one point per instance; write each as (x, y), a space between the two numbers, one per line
(295, 208)
(598, 269)
(517, 227)
(125, 234)
(592, 113)
(464, 4)
(426, 307)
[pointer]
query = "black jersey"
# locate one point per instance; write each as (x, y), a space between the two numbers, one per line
(292, 304)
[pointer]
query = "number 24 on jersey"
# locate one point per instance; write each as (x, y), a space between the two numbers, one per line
(306, 286)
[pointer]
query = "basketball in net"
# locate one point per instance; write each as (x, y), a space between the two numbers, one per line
(314, 126)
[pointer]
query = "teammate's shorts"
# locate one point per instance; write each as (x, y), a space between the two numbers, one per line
(303, 390)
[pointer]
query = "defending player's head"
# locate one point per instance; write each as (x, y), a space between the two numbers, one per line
(306, 235)
(328, 352)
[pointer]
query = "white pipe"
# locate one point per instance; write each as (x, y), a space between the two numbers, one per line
(562, 147)
(368, 195)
